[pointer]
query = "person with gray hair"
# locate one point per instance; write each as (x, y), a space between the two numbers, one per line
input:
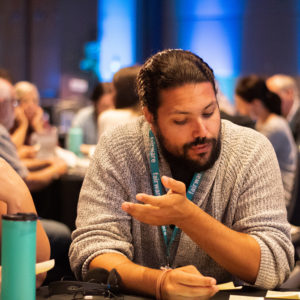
(42, 173)
(285, 86)
(29, 113)
(179, 199)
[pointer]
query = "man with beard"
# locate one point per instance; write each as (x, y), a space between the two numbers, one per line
(180, 200)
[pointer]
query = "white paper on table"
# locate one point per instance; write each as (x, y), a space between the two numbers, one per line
(69, 157)
(44, 266)
(41, 267)
(283, 295)
(228, 286)
(239, 297)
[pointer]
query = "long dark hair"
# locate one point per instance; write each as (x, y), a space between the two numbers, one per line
(125, 87)
(167, 69)
(254, 87)
(100, 89)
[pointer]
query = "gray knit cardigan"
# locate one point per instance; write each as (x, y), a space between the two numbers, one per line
(243, 190)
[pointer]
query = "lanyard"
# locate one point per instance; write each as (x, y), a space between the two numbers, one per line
(158, 190)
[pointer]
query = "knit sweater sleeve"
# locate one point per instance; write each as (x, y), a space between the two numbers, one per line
(261, 212)
(102, 226)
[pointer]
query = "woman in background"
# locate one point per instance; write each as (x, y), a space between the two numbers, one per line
(86, 118)
(254, 99)
(126, 100)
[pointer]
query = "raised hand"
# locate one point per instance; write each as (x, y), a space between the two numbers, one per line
(171, 208)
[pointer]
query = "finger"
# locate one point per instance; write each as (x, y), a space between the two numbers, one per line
(189, 279)
(150, 199)
(174, 185)
(144, 213)
(138, 209)
(191, 292)
(190, 285)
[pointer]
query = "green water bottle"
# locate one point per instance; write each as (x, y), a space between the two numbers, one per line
(18, 256)
(74, 140)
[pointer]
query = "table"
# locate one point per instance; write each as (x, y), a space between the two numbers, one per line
(43, 293)
(245, 291)
(58, 201)
(222, 295)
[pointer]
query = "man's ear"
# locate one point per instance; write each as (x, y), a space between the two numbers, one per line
(149, 117)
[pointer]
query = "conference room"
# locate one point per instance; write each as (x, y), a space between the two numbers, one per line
(159, 146)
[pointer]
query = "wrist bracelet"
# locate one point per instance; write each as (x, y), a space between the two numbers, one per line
(159, 283)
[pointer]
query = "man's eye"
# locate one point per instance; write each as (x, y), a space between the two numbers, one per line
(208, 114)
(181, 122)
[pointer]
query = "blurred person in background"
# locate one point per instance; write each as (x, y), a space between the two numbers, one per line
(37, 174)
(286, 87)
(19, 130)
(15, 198)
(30, 116)
(127, 106)
(86, 118)
(228, 111)
(5, 74)
(254, 99)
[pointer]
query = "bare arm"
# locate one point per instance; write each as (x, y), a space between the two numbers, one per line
(33, 164)
(130, 273)
(184, 283)
(15, 197)
(42, 177)
(19, 134)
(37, 122)
(26, 152)
(238, 253)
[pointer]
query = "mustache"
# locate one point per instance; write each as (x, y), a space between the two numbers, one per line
(199, 141)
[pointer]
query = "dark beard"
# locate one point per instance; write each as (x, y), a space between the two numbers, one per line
(185, 163)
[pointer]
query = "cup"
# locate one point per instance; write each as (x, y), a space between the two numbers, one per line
(18, 256)
(46, 141)
(74, 140)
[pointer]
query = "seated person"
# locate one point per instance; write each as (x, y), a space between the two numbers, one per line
(228, 111)
(126, 100)
(238, 119)
(179, 200)
(40, 173)
(43, 171)
(255, 100)
(286, 87)
(86, 118)
(15, 198)
(29, 114)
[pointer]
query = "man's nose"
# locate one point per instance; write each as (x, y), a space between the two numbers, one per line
(199, 129)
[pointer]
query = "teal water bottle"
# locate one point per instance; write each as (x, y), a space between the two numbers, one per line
(18, 256)
(74, 140)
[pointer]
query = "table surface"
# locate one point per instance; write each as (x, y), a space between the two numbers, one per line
(42, 293)
(58, 201)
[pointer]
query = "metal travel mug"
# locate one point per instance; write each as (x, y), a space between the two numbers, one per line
(18, 256)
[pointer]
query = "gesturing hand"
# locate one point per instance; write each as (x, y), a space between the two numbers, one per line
(171, 208)
(187, 283)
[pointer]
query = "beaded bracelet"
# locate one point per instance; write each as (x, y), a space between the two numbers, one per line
(159, 283)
